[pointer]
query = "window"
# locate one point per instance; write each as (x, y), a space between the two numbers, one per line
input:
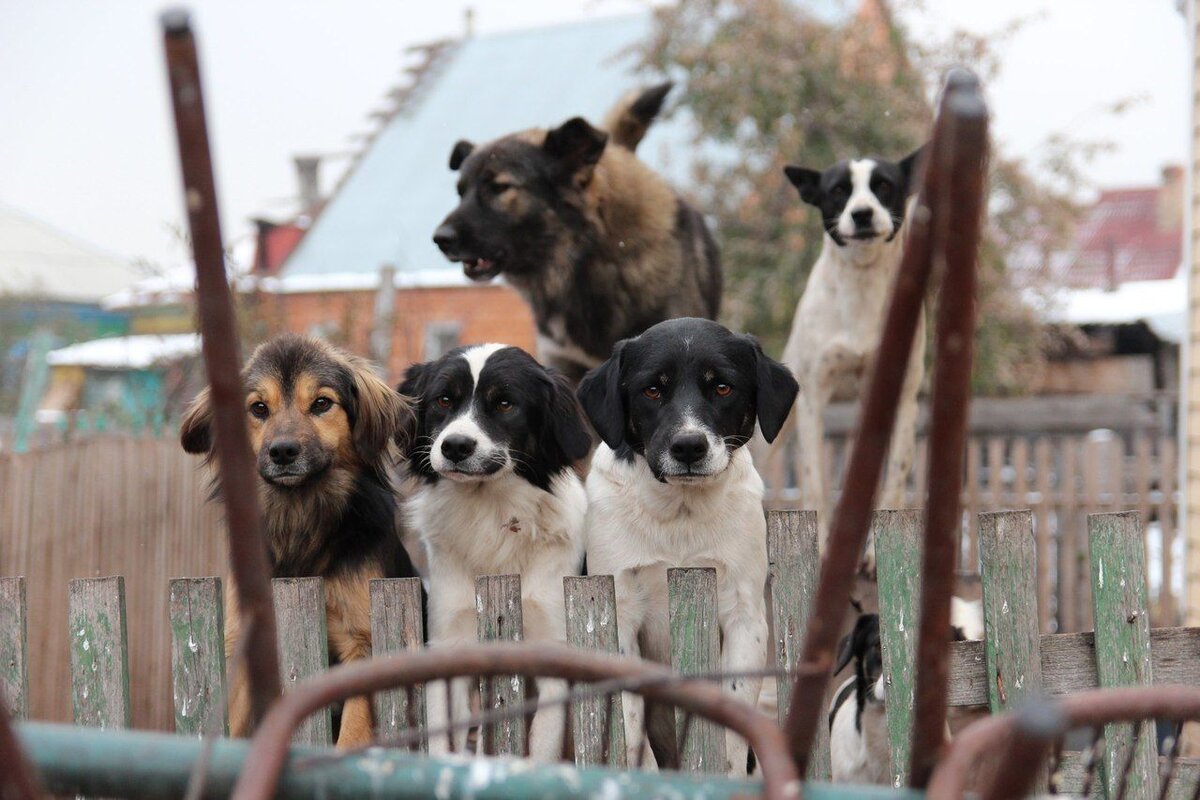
(441, 338)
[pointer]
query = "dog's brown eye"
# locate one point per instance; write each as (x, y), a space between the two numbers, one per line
(723, 390)
(443, 401)
(652, 392)
(504, 405)
(259, 410)
(321, 405)
(883, 189)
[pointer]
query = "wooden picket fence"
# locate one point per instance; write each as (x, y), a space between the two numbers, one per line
(1014, 664)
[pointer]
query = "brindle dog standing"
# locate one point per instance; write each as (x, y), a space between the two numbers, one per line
(322, 425)
(595, 241)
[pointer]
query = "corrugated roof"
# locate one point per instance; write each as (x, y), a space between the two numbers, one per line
(386, 210)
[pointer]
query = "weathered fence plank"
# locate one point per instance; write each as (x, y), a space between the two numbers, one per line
(591, 616)
(498, 604)
(1008, 562)
(793, 552)
(898, 549)
(696, 648)
(303, 646)
(197, 613)
(14, 639)
(397, 625)
(1122, 619)
(99, 652)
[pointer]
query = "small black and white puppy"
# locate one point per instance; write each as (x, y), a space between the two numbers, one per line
(495, 436)
(859, 751)
(672, 485)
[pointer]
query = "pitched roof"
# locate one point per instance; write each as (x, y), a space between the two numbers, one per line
(1121, 239)
(37, 259)
(387, 207)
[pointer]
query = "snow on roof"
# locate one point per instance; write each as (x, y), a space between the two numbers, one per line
(126, 352)
(363, 281)
(1161, 304)
(38, 259)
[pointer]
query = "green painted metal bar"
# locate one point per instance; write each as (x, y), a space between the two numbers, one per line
(137, 764)
(1119, 602)
(898, 548)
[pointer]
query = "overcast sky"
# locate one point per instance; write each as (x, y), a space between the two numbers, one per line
(86, 142)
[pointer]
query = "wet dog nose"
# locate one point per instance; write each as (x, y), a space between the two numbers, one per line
(284, 451)
(862, 217)
(458, 447)
(689, 448)
(445, 237)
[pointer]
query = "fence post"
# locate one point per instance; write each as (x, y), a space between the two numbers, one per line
(397, 625)
(1012, 643)
(696, 648)
(793, 553)
(99, 652)
(14, 669)
(498, 605)
(591, 617)
(1121, 611)
(303, 646)
(898, 548)
(197, 614)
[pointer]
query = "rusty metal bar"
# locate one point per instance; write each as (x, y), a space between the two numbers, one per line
(852, 517)
(1091, 708)
(222, 360)
(16, 779)
(1036, 729)
(269, 749)
(957, 221)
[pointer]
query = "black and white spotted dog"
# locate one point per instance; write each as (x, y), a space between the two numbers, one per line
(838, 323)
(495, 437)
(672, 485)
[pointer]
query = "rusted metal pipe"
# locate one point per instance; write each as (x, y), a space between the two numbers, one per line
(222, 360)
(16, 778)
(269, 748)
(852, 517)
(1085, 709)
(1036, 729)
(956, 227)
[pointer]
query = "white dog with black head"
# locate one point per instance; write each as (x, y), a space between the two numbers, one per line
(839, 320)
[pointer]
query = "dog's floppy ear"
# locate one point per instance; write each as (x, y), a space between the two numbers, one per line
(413, 387)
(195, 432)
(776, 391)
(911, 165)
(845, 651)
(808, 181)
(459, 154)
(564, 421)
(575, 143)
(381, 415)
(603, 401)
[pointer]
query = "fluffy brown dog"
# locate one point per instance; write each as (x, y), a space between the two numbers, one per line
(597, 243)
(322, 425)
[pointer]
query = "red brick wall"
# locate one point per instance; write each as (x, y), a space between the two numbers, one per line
(485, 314)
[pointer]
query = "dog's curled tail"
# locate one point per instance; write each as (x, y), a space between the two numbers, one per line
(628, 121)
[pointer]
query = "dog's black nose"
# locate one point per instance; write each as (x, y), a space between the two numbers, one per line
(445, 237)
(862, 217)
(284, 451)
(689, 448)
(458, 447)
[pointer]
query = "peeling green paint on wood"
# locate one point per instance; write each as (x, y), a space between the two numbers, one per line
(197, 615)
(498, 608)
(397, 626)
(1119, 603)
(794, 554)
(898, 546)
(14, 666)
(99, 652)
(303, 646)
(696, 648)
(591, 616)
(1008, 553)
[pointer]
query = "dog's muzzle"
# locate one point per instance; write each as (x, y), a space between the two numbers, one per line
(459, 457)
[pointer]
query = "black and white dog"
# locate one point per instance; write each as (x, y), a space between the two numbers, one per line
(495, 437)
(859, 751)
(672, 485)
(839, 320)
